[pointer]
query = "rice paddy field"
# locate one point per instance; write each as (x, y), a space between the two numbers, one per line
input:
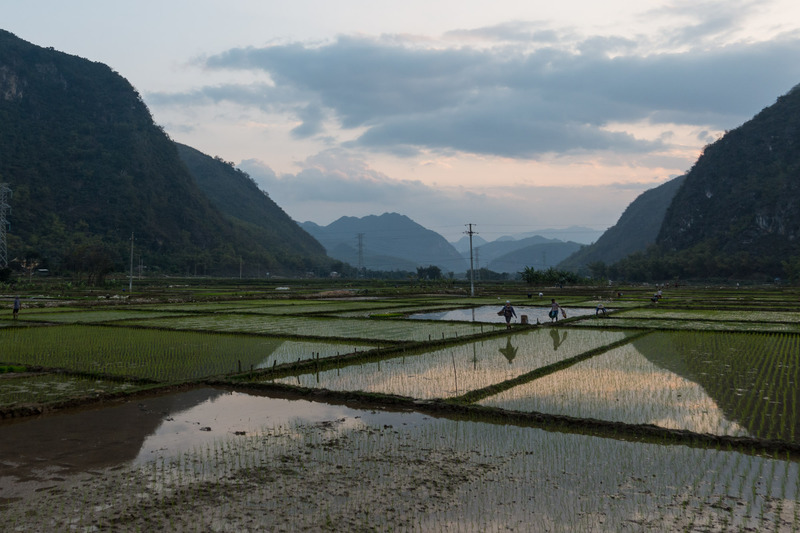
(370, 411)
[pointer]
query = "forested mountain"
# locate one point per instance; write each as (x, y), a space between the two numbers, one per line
(741, 200)
(737, 214)
(88, 167)
(238, 197)
(635, 230)
(389, 242)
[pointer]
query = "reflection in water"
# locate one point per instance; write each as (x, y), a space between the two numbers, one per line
(509, 352)
(752, 377)
(70, 443)
(489, 314)
(557, 340)
(621, 385)
(44, 451)
(430, 374)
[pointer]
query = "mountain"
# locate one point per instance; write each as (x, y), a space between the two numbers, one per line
(489, 252)
(238, 197)
(510, 255)
(741, 199)
(388, 242)
(539, 255)
(635, 230)
(579, 234)
(88, 168)
(462, 244)
(736, 213)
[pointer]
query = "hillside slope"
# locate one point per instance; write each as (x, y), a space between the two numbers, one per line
(742, 196)
(88, 168)
(636, 229)
(238, 197)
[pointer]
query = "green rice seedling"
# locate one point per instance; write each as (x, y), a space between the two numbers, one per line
(695, 325)
(155, 354)
(53, 388)
(318, 327)
(622, 385)
(759, 316)
(89, 316)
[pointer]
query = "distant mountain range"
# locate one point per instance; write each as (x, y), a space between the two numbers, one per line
(387, 242)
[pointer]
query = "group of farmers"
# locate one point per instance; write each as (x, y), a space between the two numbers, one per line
(508, 311)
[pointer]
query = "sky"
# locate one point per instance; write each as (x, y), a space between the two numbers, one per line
(509, 115)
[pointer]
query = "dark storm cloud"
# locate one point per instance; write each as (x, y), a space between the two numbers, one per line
(509, 100)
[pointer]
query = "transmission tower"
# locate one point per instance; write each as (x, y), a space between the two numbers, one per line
(360, 254)
(5, 210)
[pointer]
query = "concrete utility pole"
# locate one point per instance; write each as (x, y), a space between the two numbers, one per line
(5, 210)
(471, 269)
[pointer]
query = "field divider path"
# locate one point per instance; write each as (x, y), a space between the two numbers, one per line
(481, 394)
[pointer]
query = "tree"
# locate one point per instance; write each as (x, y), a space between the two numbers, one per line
(430, 272)
(94, 259)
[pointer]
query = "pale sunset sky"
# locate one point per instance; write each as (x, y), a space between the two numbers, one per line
(511, 115)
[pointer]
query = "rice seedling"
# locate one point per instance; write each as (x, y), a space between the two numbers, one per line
(154, 354)
(727, 384)
(319, 327)
(89, 316)
(699, 325)
(49, 388)
(622, 385)
(382, 471)
(759, 316)
(455, 370)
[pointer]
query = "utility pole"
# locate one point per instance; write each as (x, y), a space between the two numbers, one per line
(471, 269)
(5, 210)
(360, 254)
(130, 280)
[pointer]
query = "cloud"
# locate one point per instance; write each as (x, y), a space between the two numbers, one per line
(336, 183)
(539, 91)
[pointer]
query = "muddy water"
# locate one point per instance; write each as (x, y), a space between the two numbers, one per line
(45, 452)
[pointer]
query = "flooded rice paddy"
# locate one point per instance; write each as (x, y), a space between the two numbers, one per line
(489, 314)
(402, 415)
(462, 368)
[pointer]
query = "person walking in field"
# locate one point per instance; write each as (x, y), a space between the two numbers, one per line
(554, 309)
(17, 305)
(508, 311)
